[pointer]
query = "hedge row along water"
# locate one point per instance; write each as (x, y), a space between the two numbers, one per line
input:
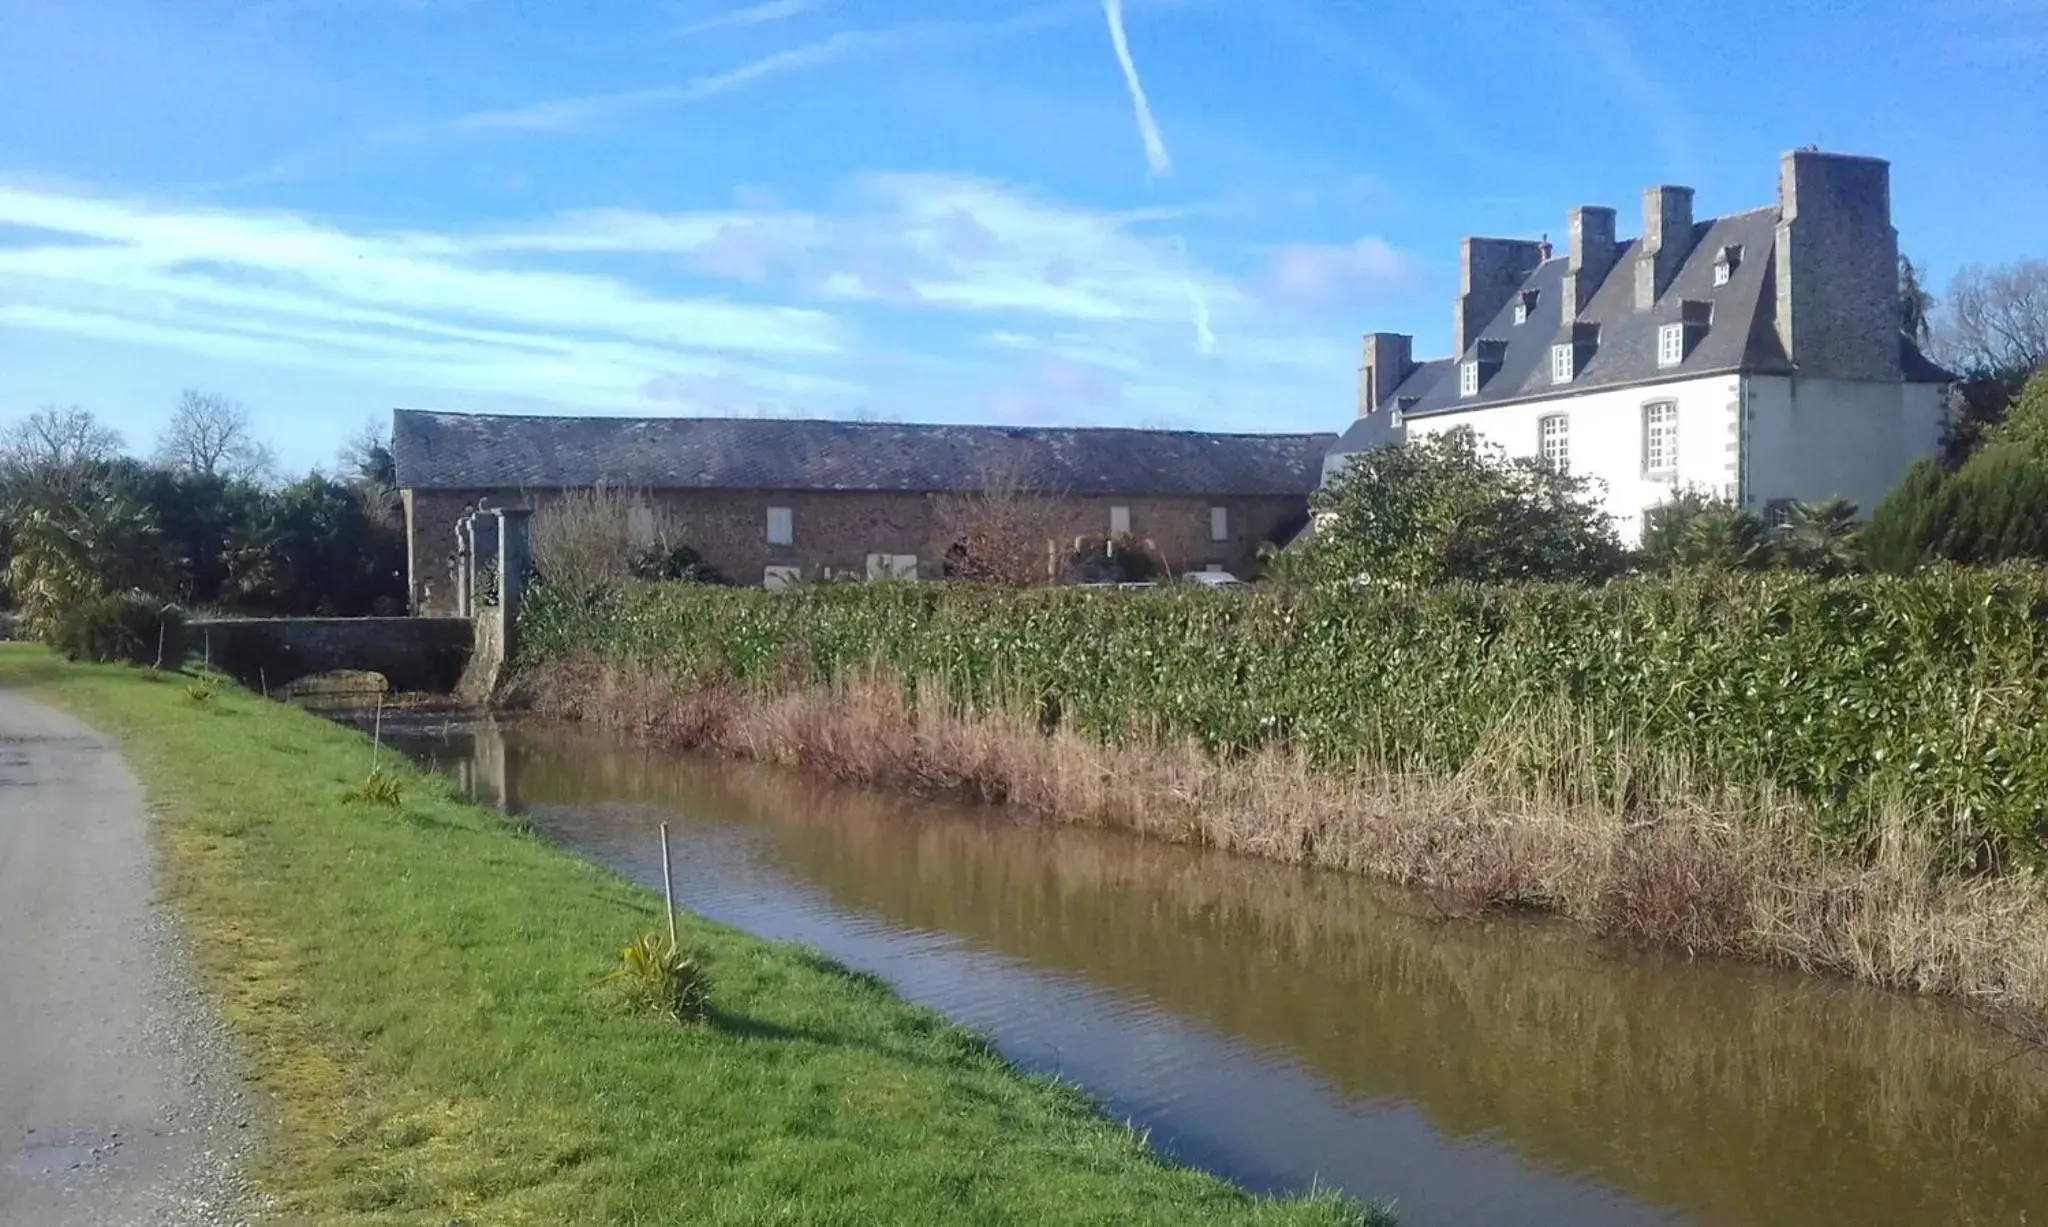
(1931, 691)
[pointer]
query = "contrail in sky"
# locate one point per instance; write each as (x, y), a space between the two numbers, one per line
(1156, 157)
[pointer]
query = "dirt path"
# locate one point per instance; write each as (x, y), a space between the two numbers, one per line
(117, 1105)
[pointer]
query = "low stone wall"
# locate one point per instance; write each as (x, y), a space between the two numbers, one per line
(413, 654)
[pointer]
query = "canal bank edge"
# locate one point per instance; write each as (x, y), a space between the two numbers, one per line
(417, 988)
(1716, 872)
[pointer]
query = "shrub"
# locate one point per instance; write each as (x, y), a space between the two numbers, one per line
(1450, 508)
(1857, 693)
(603, 537)
(1121, 559)
(125, 627)
(379, 787)
(1991, 510)
(655, 975)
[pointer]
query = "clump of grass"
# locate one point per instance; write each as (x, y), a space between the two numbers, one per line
(380, 787)
(658, 975)
(201, 691)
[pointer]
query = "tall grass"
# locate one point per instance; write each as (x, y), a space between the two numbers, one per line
(1545, 813)
(1875, 702)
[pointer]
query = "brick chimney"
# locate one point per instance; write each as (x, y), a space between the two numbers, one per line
(1389, 358)
(1593, 253)
(1667, 240)
(1489, 273)
(1837, 259)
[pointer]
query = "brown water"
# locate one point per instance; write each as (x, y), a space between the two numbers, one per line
(1289, 1028)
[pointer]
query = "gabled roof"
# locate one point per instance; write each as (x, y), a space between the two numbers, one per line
(456, 451)
(1741, 338)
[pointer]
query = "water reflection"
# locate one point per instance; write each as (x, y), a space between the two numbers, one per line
(1288, 1026)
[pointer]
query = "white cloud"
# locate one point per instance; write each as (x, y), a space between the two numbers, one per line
(590, 110)
(421, 308)
(1157, 160)
(981, 290)
(1311, 276)
(752, 15)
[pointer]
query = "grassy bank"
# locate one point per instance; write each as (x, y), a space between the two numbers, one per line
(1680, 861)
(417, 989)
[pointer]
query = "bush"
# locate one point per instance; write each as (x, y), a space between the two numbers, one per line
(127, 627)
(1858, 693)
(655, 975)
(1991, 510)
(1121, 559)
(1450, 508)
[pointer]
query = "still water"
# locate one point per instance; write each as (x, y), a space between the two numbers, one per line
(1289, 1028)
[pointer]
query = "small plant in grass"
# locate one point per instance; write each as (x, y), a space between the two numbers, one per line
(201, 691)
(380, 787)
(656, 974)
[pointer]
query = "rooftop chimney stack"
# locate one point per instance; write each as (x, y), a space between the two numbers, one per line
(1389, 359)
(1837, 258)
(1489, 273)
(1667, 241)
(1593, 253)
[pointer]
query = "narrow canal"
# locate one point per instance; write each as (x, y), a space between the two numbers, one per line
(1290, 1028)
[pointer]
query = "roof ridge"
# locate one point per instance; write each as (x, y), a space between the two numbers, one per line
(623, 419)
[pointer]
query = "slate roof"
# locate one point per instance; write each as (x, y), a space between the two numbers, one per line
(1741, 338)
(458, 451)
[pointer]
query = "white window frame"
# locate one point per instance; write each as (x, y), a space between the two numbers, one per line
(1562, 360)
(1670, 344)
(1521, 312)
(1468, 378)
(1554, 441)
(1219, 523)
(1723, 271)
(1119, 521)
(1660, 420)
(781, 526)
(901, 568)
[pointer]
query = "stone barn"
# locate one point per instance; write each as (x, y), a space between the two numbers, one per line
(771, 501)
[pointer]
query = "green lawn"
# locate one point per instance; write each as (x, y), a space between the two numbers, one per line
(419, 992)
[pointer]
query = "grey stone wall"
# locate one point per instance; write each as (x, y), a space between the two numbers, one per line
(1667, 241)
(1837, 266)
(1389, 357)
(1590, 231)
(840, 529)
(414, 654)
(1489, 272)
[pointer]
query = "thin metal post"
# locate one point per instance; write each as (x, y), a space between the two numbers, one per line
(668, 888)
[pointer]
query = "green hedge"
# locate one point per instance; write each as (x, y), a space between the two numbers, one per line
(122, 626)
(1931, 689)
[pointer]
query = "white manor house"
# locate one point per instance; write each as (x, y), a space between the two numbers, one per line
(1756, 356)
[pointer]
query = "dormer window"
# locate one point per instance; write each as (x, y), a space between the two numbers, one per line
(1727, 262)
(1525, 304)
(1670, 344)
(1561, 363)
(1468, 378)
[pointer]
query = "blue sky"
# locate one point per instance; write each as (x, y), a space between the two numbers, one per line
(906, 209)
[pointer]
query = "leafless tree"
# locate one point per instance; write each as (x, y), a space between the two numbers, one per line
(1003, 532)
(1996, 319)
(210, 435)
(57, 438)
(592, 538)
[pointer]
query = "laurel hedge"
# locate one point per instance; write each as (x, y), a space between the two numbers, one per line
(1929, 691)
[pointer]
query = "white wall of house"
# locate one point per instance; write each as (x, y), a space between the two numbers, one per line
(1813, 439)
(1606, 437)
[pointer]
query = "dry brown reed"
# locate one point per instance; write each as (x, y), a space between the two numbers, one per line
(1711, 870)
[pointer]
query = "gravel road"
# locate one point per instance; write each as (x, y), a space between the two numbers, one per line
(117, 1101)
